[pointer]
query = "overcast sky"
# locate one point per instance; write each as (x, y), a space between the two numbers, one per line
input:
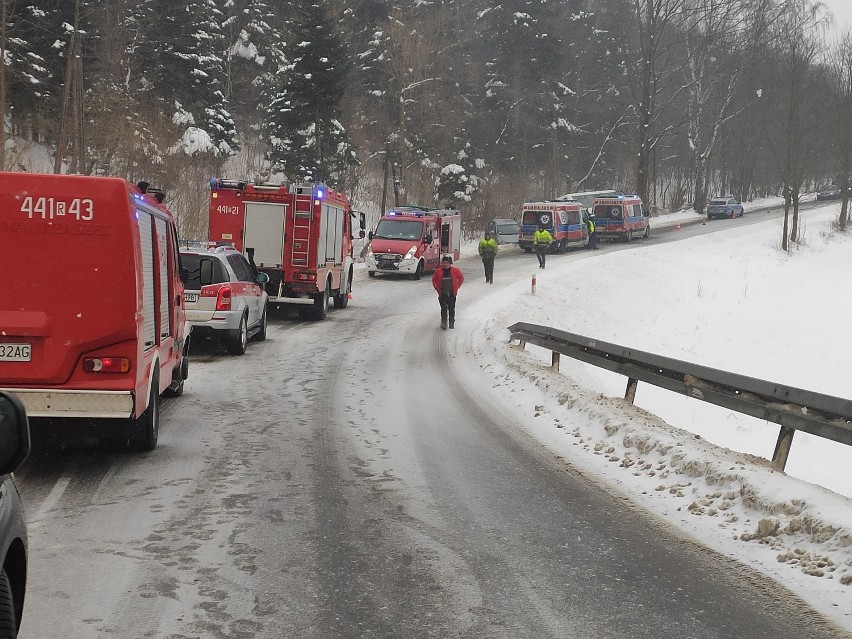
(842, 10)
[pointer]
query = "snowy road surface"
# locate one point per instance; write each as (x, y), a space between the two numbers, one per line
(343, 479)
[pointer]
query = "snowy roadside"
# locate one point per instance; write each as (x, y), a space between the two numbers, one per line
(722, 300)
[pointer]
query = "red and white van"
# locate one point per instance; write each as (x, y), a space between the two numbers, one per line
(412, 240)
(93, 324)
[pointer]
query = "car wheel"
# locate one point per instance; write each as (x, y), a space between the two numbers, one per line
(8, 619)
(264, 323)
(341, 300)
(147, 426)
(176, 389)
(321, 302)
(628, 237)
(238, 339)
(371, 273)
(418, 272)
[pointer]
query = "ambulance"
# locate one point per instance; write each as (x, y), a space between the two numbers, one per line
(92, 326)
(411, 240)
(621, 217)
(564, 219)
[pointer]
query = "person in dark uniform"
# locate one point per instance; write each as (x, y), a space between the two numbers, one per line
(447, 281)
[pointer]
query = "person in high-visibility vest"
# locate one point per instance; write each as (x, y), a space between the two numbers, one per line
(487, 251)
(542, 239)
(593, 236)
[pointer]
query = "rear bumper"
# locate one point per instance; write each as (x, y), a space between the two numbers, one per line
(41, 402)
(221, 320)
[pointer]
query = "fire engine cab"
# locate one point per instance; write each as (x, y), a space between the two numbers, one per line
(94, 324)
(300, 236)
(564, 219)
(621, 216)
(412, 239)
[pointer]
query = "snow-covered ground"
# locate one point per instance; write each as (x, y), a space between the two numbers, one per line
(729, 300)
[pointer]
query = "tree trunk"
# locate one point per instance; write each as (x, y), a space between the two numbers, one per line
(794, 230)
(700, 200)
(784, 240)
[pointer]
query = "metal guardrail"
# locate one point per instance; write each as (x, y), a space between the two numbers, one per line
(792, 408)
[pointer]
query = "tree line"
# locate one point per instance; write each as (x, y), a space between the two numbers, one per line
(467, 103)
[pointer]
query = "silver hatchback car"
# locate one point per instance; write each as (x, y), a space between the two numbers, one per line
(224, 296)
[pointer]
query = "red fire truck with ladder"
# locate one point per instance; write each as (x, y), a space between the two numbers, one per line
(300, 236)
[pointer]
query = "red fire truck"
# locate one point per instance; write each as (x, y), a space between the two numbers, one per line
(564, 219)
(300, 236)
(412, 239)
(93, 324)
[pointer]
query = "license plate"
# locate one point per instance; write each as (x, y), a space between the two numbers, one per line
(190, 298)
(15, 352)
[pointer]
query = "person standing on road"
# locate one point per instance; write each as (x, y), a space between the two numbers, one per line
(542, 239)
(487, 251)
(593, 234)
(447, 281)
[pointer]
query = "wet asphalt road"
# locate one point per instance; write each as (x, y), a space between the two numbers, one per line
(342, 481)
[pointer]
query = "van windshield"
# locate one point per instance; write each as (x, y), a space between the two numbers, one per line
(399, 230)
(539, 218)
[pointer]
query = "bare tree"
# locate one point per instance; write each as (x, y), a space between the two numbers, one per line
(658, 59)
(840, 77)
(720, 37)
(797, 44)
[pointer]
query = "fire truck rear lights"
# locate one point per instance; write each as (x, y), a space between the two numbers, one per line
(223, 301)
(106, 364)
(307, 277)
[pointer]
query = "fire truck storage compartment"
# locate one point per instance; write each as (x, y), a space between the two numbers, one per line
(265, 226)
(330, 247)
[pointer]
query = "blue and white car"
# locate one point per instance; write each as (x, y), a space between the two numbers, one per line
(724, 207)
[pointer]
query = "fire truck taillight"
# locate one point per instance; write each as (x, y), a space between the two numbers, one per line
(306, 277)
(223, 301)
(106, 364)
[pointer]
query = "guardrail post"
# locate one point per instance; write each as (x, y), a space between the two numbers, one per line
(630, 393)
(782, 447)
(554, 360)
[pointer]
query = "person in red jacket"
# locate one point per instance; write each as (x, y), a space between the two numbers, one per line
(447, 281)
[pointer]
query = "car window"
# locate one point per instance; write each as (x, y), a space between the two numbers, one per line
(241, 267)
(192, 263)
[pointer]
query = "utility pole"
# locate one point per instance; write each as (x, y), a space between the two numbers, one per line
(73, 77)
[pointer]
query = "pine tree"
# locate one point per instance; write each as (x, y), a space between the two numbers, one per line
(307, 138)
(178, 57)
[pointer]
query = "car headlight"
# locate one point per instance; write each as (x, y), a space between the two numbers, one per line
(411, 253)
(369, 251)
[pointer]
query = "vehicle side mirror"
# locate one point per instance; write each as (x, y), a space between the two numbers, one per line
(428, 239)
(205, 271)
(370, 235)
(14, 433)
(362, 218)
(361, 234)
(262, 278)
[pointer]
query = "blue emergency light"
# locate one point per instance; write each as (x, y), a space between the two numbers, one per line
(319, 193)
